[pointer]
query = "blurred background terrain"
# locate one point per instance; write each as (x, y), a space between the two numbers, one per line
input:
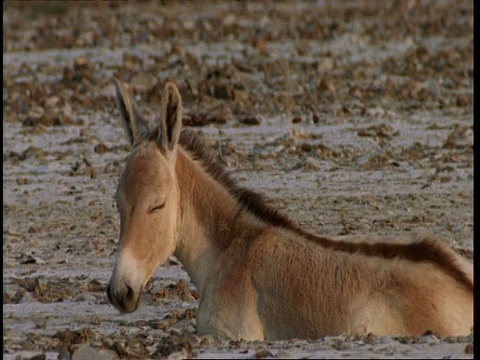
(350, 116)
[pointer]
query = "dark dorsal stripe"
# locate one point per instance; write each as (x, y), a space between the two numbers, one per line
(423, 249)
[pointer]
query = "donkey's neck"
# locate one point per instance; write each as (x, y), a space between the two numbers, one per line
(211, 219)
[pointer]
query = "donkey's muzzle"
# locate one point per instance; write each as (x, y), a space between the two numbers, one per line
(123, 297)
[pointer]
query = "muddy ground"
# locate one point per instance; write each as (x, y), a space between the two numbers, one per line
(351, 117)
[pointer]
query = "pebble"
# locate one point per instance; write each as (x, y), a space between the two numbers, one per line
(312, 164)
(385, 340)
(86, 352)
(431, 339)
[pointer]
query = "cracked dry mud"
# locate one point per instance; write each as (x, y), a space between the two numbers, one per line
(350, 117)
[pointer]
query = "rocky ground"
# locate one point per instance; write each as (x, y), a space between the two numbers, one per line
(352, 117)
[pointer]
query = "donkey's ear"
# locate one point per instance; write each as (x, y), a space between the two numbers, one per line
(171, 116)
(135, 126)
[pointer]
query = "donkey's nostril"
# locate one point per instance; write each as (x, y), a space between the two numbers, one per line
(130, 294)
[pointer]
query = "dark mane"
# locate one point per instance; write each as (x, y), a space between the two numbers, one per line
(424, 248)
(248, 199)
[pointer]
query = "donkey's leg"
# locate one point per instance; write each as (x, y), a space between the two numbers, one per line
(232, 317)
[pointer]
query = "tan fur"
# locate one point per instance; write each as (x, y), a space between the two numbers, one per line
(260, 276)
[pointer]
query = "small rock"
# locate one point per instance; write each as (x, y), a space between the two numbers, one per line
(469, 348)
(63, 353)
(51, 101)
(29, 259)
(38, 357)
(23, 181)
(385, 340)
(36, 112)
(325, 65)
(431, 339)
(81, 61)
(100, 148)
(86, 352)
(188, 25)
(224, 92)
(311, 163)
(262, 353)
(142, 82)
(371, 338)
(375, 112)
(326, 86)
(229, 20)
(251, 120)
(261, 46)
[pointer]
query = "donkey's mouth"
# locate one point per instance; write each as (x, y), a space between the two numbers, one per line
(125, 301)
(109, 296)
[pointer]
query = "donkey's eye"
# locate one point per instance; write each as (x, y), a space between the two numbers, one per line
(156, 207)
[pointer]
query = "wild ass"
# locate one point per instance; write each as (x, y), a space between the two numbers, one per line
(259, 275)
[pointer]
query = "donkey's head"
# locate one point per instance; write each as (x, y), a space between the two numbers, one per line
(147, 197)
